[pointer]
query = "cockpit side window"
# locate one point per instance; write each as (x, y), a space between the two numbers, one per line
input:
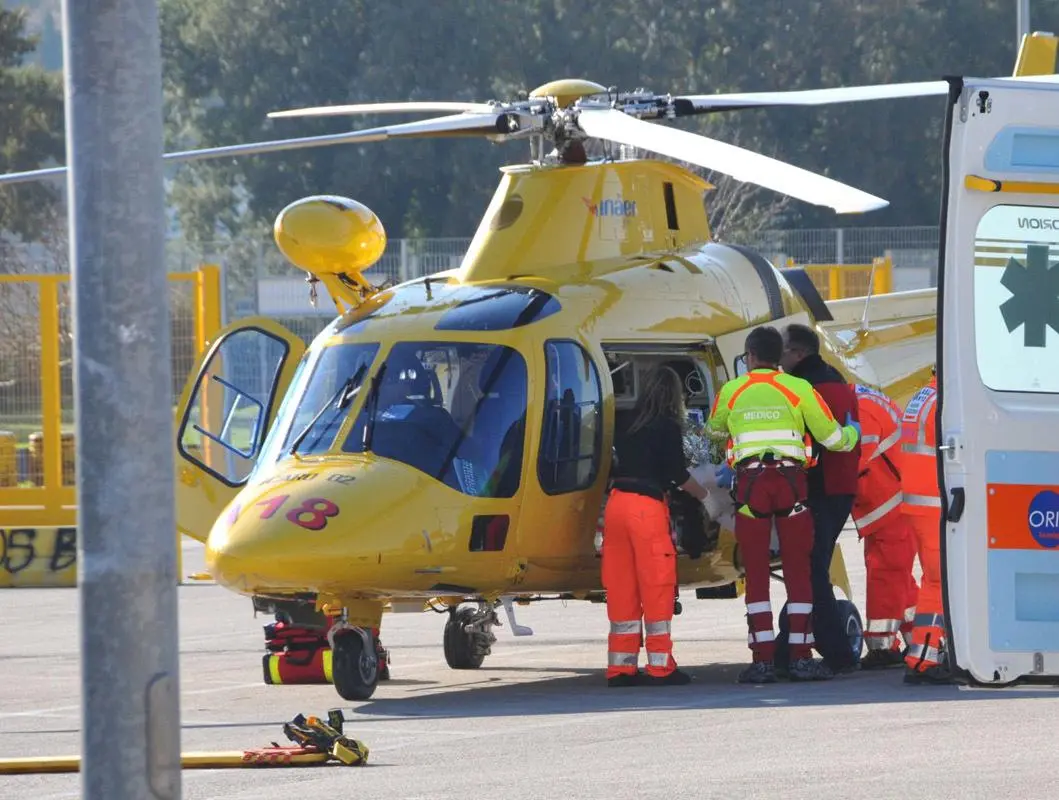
(455, 411)
(572, 435)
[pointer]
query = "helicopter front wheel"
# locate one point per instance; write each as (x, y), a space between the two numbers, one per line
(469, 636)
(355, 664)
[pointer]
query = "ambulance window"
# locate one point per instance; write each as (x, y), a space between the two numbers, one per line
(572, 434)
(1016, 298)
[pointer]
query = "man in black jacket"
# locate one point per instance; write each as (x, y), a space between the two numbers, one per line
(832, 488)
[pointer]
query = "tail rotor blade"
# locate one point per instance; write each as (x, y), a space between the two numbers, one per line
(743, 165)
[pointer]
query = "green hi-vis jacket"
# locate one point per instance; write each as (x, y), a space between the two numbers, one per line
(769, 411)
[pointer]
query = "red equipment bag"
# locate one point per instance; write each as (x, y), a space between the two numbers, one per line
(298, 666)
(296, 655)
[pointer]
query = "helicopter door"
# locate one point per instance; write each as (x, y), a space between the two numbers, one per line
(998, 404)
(225, 410)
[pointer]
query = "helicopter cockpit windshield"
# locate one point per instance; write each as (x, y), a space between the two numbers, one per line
(453, 410)
(334, 381)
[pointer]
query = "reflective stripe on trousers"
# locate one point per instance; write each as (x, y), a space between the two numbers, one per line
(929, 621)
(926, 655)
(928, 642)
(881, 634)
(804, 610)
(883, 626)
(622, 634)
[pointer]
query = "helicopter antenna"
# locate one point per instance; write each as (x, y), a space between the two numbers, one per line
(867, 300)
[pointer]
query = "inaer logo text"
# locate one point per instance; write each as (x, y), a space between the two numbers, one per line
(611, 207)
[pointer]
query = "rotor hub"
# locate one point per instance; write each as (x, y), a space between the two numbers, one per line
(567, 91)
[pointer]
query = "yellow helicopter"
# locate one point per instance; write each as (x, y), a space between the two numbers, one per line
(445, 443)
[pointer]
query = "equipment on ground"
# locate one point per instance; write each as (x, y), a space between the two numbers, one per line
(300, 654)
(316, 743)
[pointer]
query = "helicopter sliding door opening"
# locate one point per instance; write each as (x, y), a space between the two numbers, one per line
(629, 368)
(701, 373)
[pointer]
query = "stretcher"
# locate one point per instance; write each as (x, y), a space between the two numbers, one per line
(316, 743)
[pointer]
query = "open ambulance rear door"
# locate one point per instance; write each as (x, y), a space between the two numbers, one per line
(998, 379)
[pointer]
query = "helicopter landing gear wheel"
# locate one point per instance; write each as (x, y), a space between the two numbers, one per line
(852, 625)
(355, 664)
(469, 636)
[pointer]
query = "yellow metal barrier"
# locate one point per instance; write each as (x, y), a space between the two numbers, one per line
(840, 281)
(38, 506)
(8, 459)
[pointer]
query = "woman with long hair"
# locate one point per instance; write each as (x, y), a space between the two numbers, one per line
(639, 557)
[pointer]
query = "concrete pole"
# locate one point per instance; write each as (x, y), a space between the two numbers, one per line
(1023, 19)
(124, 403)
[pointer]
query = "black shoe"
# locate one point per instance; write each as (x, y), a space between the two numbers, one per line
(882, 659)
(758, 672)
(845, 668)
(809, 669)
(674, 678)
(619, 681)
(939, 675)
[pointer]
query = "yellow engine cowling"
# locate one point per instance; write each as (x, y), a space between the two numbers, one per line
(334, 239)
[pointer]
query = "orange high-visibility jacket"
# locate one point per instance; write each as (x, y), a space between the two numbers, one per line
(919, 469)
(879, 497)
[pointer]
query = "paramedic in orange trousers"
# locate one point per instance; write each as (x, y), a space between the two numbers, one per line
(639, 567)
(832, 487)
(887, 532)
(925, 661)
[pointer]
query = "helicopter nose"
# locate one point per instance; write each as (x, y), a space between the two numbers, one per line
(269, 531)
(299, 526)
(242, 551)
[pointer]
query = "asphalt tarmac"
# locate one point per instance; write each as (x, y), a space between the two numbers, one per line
(537, 720)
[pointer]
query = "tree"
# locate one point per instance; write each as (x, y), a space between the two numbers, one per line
(229, 62)
(31, 128)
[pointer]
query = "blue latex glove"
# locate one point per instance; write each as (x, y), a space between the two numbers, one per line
(725, 476)
(853, 424)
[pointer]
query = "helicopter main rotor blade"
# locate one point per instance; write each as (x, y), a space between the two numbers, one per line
(703, 103)
(468, 124)
(743, 165)
(455, 125)
(383, 108)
